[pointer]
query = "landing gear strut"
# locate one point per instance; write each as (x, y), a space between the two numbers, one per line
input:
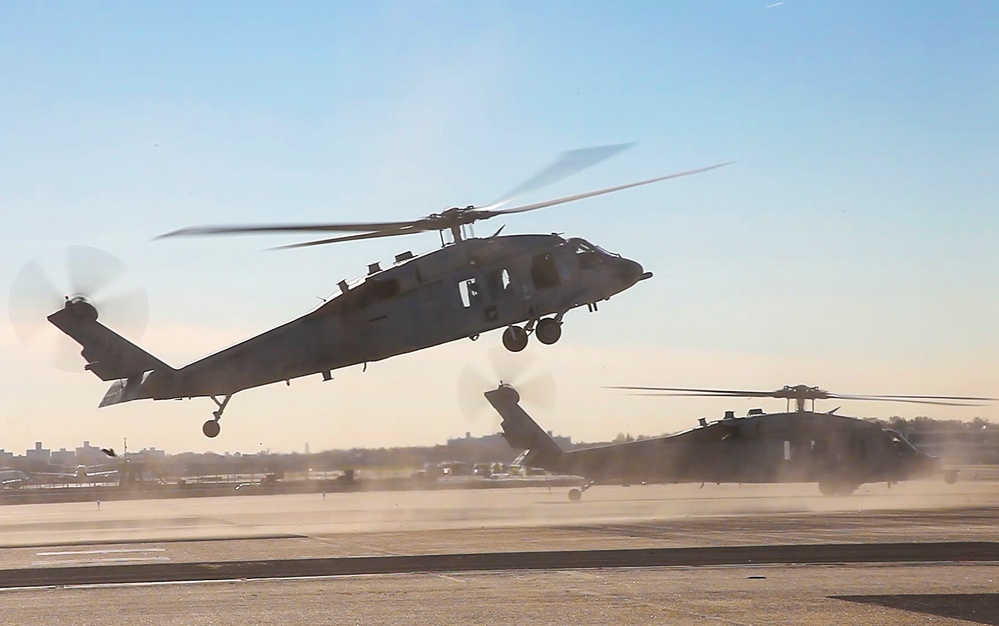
(211, 428)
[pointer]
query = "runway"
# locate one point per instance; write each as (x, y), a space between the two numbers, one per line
(917, 553)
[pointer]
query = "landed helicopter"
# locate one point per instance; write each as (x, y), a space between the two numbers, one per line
(801, 446)
(523, 283)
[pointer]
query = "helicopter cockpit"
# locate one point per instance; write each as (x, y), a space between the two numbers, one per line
(900, 444)
(589, 255)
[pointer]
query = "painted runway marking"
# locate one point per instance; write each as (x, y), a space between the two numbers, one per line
(111, 551)
(110, 561)
(100, 557)
(452, 578)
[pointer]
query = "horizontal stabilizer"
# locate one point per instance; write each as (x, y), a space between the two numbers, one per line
(124, 390)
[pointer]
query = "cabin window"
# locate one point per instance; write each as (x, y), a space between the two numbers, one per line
(498, 282)
(469, 290)
(544, 272)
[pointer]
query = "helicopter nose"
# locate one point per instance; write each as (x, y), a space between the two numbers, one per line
(630, 272)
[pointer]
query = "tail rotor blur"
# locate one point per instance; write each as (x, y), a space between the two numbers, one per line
(45, 284)
(534, 382)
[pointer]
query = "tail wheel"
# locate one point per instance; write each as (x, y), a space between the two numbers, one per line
(548, 331)
(211, 429)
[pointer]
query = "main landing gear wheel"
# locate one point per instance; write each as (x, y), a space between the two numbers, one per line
(515, 338)
(548, 331)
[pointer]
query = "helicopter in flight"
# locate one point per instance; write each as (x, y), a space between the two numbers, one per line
(802, 446)
(524, 284)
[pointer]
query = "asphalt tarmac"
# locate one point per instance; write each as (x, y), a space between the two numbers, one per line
(918, 553)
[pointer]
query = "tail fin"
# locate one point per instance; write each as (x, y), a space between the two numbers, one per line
(522, 432)
(109, 355)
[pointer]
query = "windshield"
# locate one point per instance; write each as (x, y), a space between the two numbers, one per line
(900, 443)
(582, 246)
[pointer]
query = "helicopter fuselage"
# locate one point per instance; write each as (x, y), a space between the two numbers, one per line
(459, 291)
(837, 452)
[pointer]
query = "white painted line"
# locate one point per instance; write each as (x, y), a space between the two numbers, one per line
(117, 551)
(123, 559)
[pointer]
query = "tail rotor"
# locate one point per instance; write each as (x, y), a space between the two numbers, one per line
(46, 284)
(534, 382)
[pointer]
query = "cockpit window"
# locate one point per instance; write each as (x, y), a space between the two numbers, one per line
(899, 443)
(580, 245)
(587, 255)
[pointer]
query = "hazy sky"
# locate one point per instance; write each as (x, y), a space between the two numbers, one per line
(852, 245)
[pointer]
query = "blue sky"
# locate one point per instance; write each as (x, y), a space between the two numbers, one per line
(851, 245)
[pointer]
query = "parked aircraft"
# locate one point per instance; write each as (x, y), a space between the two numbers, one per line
(839, 453)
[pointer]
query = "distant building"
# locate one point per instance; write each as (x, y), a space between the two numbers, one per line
(38, 453)
(89, 455)
(147, 454)
(497, 439)
(6, 458)
(62, 456)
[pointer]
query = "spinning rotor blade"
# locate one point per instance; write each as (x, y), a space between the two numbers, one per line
(43, 285)
(590, 194)
(564, 165)
(285, 228)
(92, 271)
(453, 218)
(804, 392)
(937, 400)
(535, 384)
(882, 397)
(704, 393)
(33, 295)
(374, 235)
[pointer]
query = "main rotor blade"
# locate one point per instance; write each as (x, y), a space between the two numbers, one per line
(704, 392)
(973, 401)
(821, 394)
(564, 165)
(887, 397)
(589, 194)
(911, 401)
(374, 235)
(656, 394)
(284, 228)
